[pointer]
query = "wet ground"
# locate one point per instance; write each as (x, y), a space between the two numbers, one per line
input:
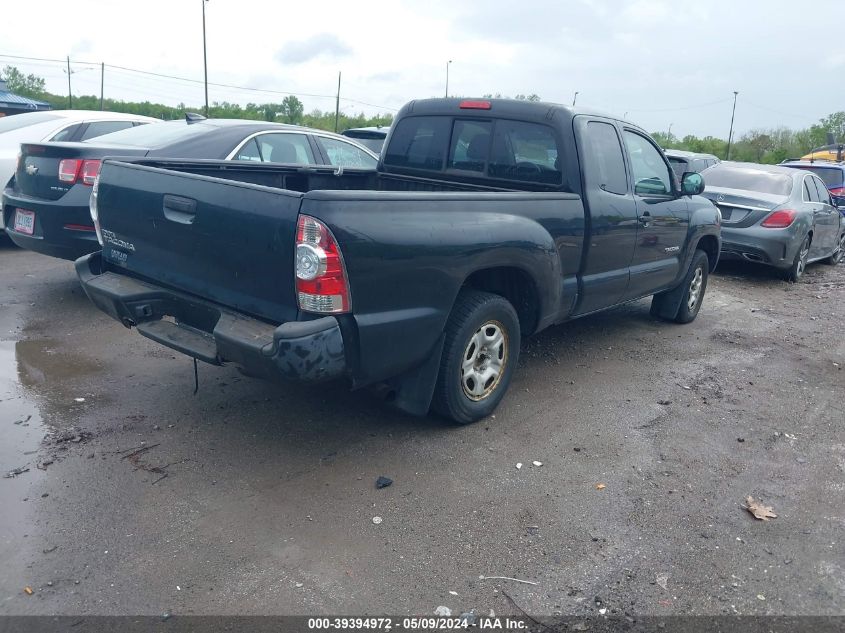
(133, 496)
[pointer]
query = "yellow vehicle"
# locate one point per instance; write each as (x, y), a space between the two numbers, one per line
(827, 152)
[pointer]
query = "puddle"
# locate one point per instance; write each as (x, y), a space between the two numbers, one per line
(21, 432)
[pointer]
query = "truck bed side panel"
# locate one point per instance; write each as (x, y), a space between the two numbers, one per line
(408, 254)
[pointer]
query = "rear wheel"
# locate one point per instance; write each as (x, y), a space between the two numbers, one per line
(838, 254)
(796, 271)
(479, 356)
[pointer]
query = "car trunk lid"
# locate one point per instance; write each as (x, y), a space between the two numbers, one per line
(740, 208)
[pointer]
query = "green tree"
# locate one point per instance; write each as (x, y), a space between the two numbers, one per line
(25, 85)
(292, 109)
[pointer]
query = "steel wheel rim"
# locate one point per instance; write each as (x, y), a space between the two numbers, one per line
(695, 288)
(802, 257)
(484, 361)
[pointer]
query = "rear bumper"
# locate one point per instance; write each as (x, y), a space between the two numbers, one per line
(60, 226)
(775, 247)
(310, 351)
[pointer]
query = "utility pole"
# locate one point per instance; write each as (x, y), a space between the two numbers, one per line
(69, 93)
(449, 63)
(102, 82)
(204, 57)
(731, 133)
(575, 97)
(337, 104)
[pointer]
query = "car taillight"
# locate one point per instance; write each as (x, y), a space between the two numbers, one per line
(92, 206)
(837, 191)
(321, 282)
(780, 219)
(69, 170)
(72, 170)
(90, 170)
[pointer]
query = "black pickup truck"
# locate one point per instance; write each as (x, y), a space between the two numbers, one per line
(485, 221)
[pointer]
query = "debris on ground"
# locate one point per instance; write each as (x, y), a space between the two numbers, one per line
(453, 593)
(664, 402)
(601, 486)
(16, 471)
(443, 612)
(49, 550)
(518, 465)
(79, 399)
(43, 465)
(72, 434)
(527, 582)
(764, 513)
(23, 421)
(536, 463)
(662, 580)
(27, 590)
(383, 482)
(469, 618)
(377, 520)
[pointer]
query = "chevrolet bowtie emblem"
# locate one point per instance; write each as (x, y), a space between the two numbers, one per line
(31, 170)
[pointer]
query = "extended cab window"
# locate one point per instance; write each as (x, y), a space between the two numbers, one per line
(524, 151)
(604, 165)
(419, 142)
(651, 175)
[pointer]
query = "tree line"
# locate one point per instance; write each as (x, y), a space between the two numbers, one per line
(288, 110)
(764, 145)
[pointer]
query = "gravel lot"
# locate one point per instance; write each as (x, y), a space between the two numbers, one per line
(254, 498)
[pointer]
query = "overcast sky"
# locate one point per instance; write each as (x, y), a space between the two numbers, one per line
(661, 61)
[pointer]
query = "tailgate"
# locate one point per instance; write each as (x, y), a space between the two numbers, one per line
(228, 242)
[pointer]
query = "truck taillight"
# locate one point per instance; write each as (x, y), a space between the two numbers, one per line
(321, 282)
(72, 170)
(92, 206)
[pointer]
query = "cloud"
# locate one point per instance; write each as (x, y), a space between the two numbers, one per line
(81, 46)
(320, 45)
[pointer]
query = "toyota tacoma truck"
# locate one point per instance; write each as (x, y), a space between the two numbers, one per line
(485, 221)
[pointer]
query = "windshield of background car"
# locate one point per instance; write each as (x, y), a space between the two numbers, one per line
(833, 177)
(18, 121)
(679, 165)
(498, 148)
(372, 144)
(748, 180)
(153, 135)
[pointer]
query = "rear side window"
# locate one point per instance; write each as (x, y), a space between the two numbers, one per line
(811, 187)
(679, 165)
(343, 154)
(604, 166)
(832, 177)
(249, 151)
(286, 148)
(99, 128)
(824, 194)
(419, 142)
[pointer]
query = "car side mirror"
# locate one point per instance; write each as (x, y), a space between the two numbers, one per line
(692, 183)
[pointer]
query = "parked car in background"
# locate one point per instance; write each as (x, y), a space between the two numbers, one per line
(46, 204)
(485, 221)
(831, 173)
(371, 137)
(775, 215)
(57, 125)
(682, 161)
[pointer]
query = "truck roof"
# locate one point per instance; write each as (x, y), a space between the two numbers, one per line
(538, 111)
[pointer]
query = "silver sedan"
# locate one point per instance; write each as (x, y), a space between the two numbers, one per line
(775, 215)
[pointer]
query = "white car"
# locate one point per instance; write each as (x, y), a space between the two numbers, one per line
(56, 125)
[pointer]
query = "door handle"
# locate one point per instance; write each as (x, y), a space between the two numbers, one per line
(180, 210)
(645, 218)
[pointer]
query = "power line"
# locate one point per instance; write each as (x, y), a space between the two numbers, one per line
(199, 81)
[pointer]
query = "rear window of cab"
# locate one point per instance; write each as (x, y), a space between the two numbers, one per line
(500, 149)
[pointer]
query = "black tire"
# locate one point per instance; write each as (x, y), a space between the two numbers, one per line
(694, 282)
(796, 271)
(838, 254)
(473, 311)
(662, 304)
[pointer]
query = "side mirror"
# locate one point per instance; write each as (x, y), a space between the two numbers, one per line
(692, 183)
